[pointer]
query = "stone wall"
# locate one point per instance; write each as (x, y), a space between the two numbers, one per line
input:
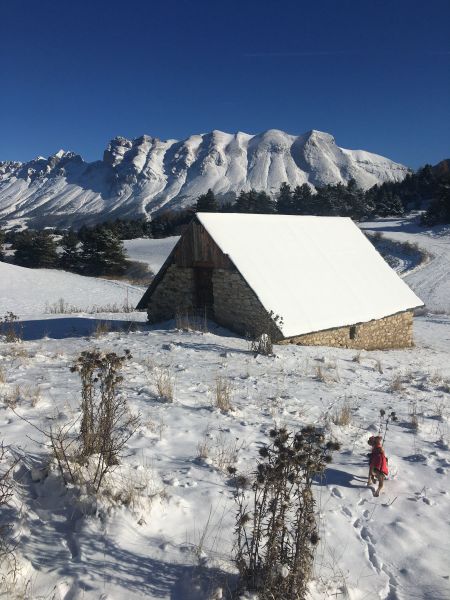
(173, 294)
(235, 304)
(395, 331)
(237, 307)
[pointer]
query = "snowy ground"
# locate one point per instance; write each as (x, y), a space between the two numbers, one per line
(431, 282)
(174, 539)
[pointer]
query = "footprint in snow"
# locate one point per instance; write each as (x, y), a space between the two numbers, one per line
(337, 492)
(347, 511)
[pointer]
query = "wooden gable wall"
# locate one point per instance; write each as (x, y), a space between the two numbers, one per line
(196, 248)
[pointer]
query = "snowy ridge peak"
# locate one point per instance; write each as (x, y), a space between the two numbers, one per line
(140, 176)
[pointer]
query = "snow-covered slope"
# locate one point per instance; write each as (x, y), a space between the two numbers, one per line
(27, 292)
(431, 280)
(138, 177)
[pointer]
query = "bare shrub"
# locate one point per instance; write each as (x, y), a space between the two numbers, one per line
(9, 328)
(223, 393)
(276, 530)
(343, 415)
(164, 384)
(8, 564)
(106, 423)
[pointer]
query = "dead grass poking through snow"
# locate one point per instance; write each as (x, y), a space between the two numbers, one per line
(13, 397)
(328, 373)
(2, 375)
(342, 416)
(396, 385)
(164, 384)
(413, 416)
(218, 450)
(102, 328)
(223, 393)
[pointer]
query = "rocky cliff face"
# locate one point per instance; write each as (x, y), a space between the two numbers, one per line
(138, 177)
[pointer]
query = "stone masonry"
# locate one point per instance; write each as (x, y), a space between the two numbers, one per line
(395, 331)
(235, 304)
(173, 294)
(237, 307)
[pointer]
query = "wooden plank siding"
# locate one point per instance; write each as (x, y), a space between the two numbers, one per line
(196, 248)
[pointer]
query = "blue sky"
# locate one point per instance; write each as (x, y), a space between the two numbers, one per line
(374, 73)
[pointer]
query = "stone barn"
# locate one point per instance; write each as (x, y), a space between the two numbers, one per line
(309, 280)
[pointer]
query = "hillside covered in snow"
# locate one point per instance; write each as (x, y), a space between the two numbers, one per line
(138, 177)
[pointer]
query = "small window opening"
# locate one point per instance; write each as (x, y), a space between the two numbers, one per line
(352, 332)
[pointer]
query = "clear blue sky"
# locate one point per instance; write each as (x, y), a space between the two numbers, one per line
(375, 73)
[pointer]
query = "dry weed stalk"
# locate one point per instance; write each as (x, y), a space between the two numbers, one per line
(102, 328)
(106, 424)
(10, 329)
(8, 563)
(164, 384)
(276, 530)
(343, 415)
(223, 393)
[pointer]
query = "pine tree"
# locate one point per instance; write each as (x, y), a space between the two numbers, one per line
(265, 204)
(103, 253)
(70, 258)
(207, 202)
(439, 210)
(35, 249)
(303, 200)
(285, 204)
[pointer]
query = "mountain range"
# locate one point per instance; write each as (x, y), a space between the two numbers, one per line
(138, 177)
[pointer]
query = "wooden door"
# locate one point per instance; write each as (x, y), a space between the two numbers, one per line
(204, 296)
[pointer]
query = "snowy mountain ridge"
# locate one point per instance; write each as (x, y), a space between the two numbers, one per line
(138, 177)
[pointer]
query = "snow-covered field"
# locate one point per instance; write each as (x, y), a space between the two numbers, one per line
(172, 536)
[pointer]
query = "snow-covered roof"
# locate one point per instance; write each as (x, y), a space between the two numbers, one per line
(315, 272)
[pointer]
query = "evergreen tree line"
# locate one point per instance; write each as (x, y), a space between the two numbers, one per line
(98, 250)
(330, 200)
(92, 251)
(428, 186)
